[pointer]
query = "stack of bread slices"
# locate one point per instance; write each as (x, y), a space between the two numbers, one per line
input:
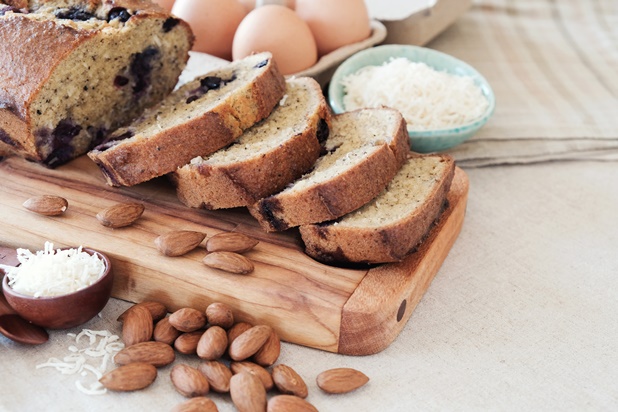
(239, 136)
(243, 136)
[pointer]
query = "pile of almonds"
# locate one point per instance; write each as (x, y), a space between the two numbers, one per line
(235, 359)
(236, 356)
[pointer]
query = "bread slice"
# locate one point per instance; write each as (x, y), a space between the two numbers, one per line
(73, 71)
(197, 119)
(364, 151)
(393, 224)
(265, 158)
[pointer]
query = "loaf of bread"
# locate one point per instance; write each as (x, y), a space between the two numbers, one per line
(73, 71)
(363, 152)
(393, 224)
(196, 119)
(267, 157)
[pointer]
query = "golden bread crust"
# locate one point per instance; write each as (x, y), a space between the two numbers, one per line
(245, 181)
(27, 71)
(341, 194)
(131, 161)
(335, 243)
(37, 41)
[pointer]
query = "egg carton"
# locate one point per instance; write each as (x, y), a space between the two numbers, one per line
(322, 71)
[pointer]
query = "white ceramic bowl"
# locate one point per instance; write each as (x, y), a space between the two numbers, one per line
(422, 141)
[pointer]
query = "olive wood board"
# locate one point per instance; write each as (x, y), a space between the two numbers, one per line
(342, 310)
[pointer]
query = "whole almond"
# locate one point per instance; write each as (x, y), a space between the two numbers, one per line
(220, 314)
(218, 375)
(341, 380)
(157, 310)
(255, 369)
(187, 319)
(157, 354)
(179, 242)
(212, 344)
(288, 381)
(189, 381)
(249, 342)
(165, 332)
(197, 404)
(137, 326)
(120, 215)
(237, 330)
(230, 242)
(229, 262)
(248, 393)
(47, 205)
(289, 403)
(268, 354)
(186, 343)
(131, 377)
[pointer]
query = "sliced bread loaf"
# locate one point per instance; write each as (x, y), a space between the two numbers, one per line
(393, 224)
(73, 71)
(265, 158)
(197, 119)
(363, 152)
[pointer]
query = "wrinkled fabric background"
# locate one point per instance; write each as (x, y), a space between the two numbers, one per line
(552, 66)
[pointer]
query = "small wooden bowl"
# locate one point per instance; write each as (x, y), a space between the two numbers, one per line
(65, 311)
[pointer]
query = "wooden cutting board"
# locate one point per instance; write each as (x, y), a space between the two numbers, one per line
(349, 311)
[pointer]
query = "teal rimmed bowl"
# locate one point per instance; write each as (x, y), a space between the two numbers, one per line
(421, 141)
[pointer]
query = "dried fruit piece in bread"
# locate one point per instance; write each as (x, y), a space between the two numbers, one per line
(265, 158)
(197, 119)
(72, 72)
(364, 151)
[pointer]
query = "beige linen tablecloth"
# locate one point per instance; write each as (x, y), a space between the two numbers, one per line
(553, 66)
(522, 314)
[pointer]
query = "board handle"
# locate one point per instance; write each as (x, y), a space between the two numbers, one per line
(370, 322)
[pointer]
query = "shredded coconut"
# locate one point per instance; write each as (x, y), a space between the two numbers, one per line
(77, 362)
(427, 99)
(52, 272)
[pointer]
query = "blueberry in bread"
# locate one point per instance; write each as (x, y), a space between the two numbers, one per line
(363, 152)
(197, 119)
(268, 156)
(393, 224)
(73, 71)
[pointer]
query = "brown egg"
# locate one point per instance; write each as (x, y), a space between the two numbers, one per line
(279, 30)
(335, 23)
(213, 22)
(165, 4)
